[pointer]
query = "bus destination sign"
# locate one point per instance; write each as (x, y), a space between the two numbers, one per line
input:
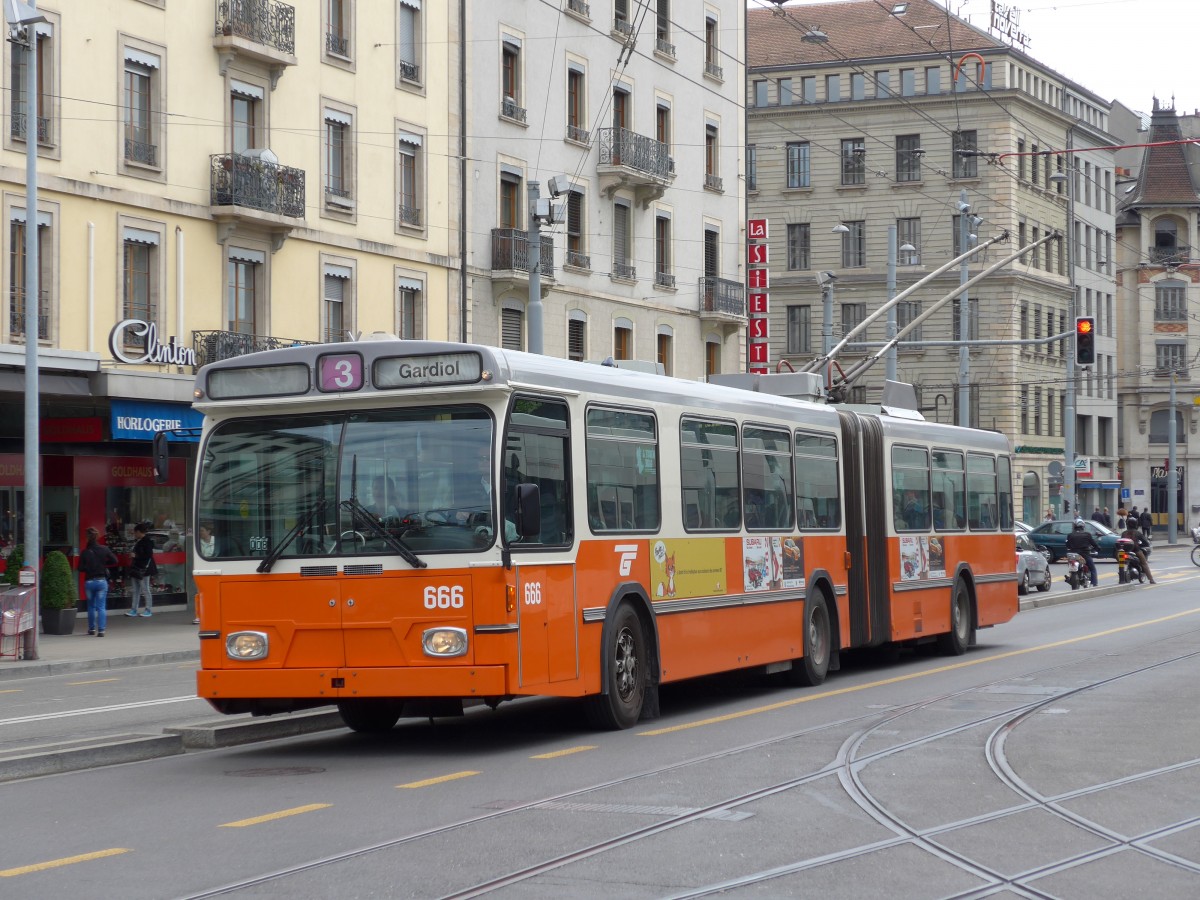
(423, 371)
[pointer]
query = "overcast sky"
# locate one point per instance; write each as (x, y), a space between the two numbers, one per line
(1127, 50)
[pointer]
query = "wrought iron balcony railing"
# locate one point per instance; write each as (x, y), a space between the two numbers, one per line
(238, 180)
(721, 295)
(408, 215)
(266, 22)
(713, 182)
(409, 71)
(664, 279)
(16, 314)
(580, 8)
(510, 110)
(1177, 255)
(624, 270)
(17, 128)
(510, 251)
(211, 346)
(712, 69)
(577, 134)
(141, 152)
(630, 150)
(578, 260)
(665, 47)
(622, 26)
(337, 43)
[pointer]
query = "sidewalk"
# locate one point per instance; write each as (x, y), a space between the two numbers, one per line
(167, 636)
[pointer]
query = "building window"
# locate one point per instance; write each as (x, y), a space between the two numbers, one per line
(908, 159)
(16, 275)
(245, 116)
(908, 82)
(808, 88)
(883, 84)
(510, 200)
(1037, 410)
(854, 245)
(854, 161)
(972, 319)
(751, 167)
(408, 179)
(712, 252)
(933, 80)
(334, 320)
(712, 358)
(141, 99)
(833, 88)
(858, 86)
(510, 79)
(623, 340)
(1171, 357)
(1024, 409)
(760, 93)
(576, 248)
(577, 129)
(622, 241)
(799, 329)
(908, 233)
(408, 45)
(338, 27)
(577, 337)
(786, 98)
(712, 50)
(662, 29)
(798, 162)
(512, 328)
(243, 274)
(337, 150)
(664, 352)
(42, 84)
(907, 312)
(1170, 301)
(408, 308)
(712, 157)
(139, 285)
(852, 316)
(662, 252)
(965, 166)
(798, 245)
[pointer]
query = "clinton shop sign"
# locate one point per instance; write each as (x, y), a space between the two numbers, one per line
(170, 353)
(138, 420)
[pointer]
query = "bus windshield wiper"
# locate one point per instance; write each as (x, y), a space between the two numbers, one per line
(361, 513)
(277, 551)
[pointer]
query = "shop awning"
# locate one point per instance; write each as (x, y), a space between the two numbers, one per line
(62, 385)
(1098, 485)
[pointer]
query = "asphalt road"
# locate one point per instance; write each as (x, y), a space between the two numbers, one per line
(1058, 758)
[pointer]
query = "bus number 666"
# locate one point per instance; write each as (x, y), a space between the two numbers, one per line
(444, 597)
(533, 593)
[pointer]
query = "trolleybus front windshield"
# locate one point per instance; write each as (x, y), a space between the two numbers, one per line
(424, 476)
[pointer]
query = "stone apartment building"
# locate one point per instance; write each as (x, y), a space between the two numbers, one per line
(865, 115)
(632, 112)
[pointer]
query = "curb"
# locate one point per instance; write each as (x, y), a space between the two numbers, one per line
(37, 669)
(212, 735)
(73, 756)
(1068, 596)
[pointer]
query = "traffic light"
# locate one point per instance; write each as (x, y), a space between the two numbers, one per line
(1085, 340)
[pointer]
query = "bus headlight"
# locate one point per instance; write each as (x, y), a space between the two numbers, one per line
(246, 645)
(445, 642)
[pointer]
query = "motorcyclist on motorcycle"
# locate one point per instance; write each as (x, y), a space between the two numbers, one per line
(1081, 541)
(1138, 549)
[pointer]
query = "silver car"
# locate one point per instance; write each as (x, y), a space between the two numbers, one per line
(1032, 568)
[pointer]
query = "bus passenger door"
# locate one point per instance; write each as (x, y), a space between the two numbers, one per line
(547, 619)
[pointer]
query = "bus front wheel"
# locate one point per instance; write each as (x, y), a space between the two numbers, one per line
(370, 716)
(955, 641)
(814, 666)
(620, 706)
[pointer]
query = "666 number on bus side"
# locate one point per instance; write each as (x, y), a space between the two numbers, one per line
(444, 596)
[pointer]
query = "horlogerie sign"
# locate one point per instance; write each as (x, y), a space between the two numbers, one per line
(155, 353)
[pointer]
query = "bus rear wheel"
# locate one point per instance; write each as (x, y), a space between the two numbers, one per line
(955, 641)
(371, 716)
(814, 666)
(620, 706)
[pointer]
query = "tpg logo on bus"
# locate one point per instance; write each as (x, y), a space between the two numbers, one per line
(628, 555)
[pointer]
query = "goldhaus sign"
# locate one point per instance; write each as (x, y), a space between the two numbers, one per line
(170, 353)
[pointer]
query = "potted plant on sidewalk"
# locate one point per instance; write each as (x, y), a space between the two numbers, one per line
(60, 595)
(12, 570)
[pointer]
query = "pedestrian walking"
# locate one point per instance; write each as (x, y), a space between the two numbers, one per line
(94, 562)
(1122, 515)
(1097, 516)
(142, 569)
(1146, 521)
(1049, 517)
(1107, 518)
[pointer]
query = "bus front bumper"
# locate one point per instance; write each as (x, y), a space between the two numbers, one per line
(332, 684)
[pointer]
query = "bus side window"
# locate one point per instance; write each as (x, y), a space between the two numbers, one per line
(537, 451)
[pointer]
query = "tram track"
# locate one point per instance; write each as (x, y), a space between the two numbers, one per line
(844, 766)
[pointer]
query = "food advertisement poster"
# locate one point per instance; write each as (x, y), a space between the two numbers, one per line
(921, 557)
(690, 567)
(771, 563)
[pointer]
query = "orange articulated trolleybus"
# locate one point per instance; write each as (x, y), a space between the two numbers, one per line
(399, 527)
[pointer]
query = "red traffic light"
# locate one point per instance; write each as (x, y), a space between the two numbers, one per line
(1085, 340)
(1084, 326)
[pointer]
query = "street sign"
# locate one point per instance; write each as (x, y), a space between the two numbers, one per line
(756, 229)
(1055, 467)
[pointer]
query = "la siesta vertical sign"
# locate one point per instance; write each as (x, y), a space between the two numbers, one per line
(156, 353)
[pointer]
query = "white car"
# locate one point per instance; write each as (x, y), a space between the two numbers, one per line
(1032, 568)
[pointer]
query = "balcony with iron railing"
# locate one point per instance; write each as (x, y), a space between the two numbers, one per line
(337, 43)
(578, 135)
(712, 70)
(139, 148)
(580, 9)
(722, 299)
(408, 215)
(1170, 256)
(665, 47)
(410, 71)
(664, 279)
(629, 160)
(510, 258)
(510, 110)
(713, 182)
(212, 346)
(253, 188)
(16, 313)
(263, 31)
(623, 27)
(18, 125)
(624, 270)
(577, 260)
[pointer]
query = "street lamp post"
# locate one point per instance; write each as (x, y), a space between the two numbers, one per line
(964, 316)
(1069, 404)
(22, 17)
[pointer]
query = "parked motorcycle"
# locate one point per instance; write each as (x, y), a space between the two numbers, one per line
(1077, 571)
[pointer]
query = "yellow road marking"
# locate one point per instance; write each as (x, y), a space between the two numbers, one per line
(783, 704)
(65, 861)
(97, 681)
(12, 691)
(271, 817)
(439, 780)
(566, 752)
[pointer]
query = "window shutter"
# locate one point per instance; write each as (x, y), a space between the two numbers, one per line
(621, 234)
(511, 330)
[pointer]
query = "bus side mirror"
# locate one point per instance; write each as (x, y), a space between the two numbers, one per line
(529, 511)
(161, 451)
